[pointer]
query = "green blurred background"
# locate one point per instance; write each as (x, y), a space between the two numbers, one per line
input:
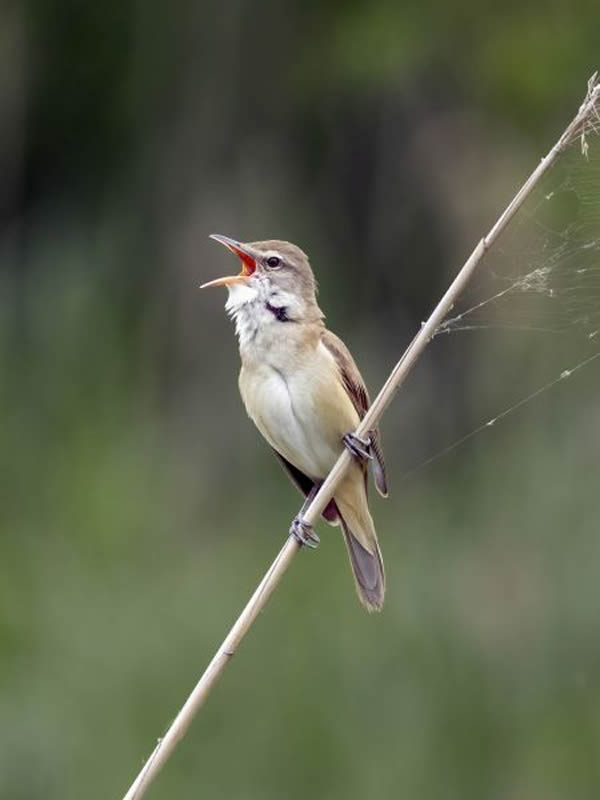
(138, 505)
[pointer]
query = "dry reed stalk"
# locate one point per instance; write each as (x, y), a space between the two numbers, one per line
(585, 121)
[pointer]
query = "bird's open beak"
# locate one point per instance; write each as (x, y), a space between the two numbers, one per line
(246, 257)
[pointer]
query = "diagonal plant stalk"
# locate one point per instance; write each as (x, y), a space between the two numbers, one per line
(586, 120)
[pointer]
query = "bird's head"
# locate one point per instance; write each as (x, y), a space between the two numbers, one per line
(274, 273)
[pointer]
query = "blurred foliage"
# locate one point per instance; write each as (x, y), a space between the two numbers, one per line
(139, 507)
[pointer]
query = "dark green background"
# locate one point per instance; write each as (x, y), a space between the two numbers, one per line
(139, 507)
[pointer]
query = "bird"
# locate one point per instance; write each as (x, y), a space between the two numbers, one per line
(303, 391)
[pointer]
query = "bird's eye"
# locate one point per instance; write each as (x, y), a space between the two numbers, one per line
(273, 262)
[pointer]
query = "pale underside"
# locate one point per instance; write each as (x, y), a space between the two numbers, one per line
(302, 412)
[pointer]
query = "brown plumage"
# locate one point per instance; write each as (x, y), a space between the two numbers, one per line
(304, 392)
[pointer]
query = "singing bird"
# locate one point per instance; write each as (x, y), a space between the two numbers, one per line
(302, 389)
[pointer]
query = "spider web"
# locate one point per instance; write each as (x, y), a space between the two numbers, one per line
(546, 274)
(543, 280)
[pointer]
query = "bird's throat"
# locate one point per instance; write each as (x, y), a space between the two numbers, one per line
(279, 312)
(258, 312)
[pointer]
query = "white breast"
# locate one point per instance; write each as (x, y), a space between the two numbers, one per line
(301, 409)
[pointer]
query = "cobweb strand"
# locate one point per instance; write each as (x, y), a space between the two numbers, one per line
(566, 373)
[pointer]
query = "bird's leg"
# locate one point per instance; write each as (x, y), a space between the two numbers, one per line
(301, 530)
(359, 448)
(304, 533)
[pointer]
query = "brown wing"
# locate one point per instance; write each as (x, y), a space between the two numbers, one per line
(357, 391)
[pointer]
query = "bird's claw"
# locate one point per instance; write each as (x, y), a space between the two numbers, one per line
(304, 533)
(359, 448)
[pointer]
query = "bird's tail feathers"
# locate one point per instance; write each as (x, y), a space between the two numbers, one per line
(365, 556)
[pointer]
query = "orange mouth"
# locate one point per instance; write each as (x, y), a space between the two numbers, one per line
(247, 259)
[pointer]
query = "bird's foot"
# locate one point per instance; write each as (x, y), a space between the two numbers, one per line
(359, 448)
(304, 533)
